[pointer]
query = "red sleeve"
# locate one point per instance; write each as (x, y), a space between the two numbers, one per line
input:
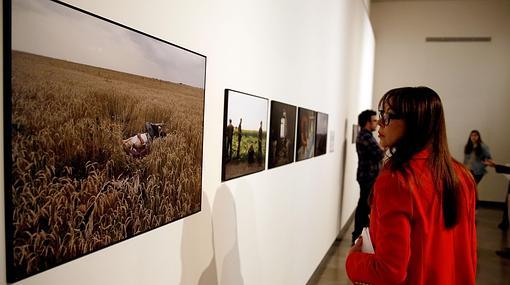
(392, 226)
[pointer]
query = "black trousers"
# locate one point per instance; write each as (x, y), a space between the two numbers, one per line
(361, 216)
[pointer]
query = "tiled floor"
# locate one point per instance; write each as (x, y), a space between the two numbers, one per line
(492, 269)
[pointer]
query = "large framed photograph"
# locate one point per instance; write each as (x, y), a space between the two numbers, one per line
(244, 134)
(321, 137)
(307, 123)
(104, 128)
(282, 132)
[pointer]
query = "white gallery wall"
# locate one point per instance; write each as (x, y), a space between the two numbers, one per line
(361, 63)
(275, 226)
(472, 78)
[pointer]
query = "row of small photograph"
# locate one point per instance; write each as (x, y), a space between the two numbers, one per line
(245, 134)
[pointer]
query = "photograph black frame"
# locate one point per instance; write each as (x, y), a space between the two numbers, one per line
(224, 157)
(298, 133)
(317, 140)
(292, 129)
(13, 276)
(354, 133)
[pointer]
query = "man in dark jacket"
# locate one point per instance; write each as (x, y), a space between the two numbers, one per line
(370, 155)
(229, 135)
(239, 137)
(505, 253)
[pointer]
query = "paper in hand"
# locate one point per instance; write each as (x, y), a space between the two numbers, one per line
(366, 246)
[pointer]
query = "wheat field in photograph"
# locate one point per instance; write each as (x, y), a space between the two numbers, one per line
(74, 188)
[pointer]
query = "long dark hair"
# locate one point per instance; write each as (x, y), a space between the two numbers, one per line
(470, 147)
(422, 112)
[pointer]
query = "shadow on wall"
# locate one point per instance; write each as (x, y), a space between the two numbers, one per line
(212, 234)
(197, 242)
(342, 175)
(225, 237)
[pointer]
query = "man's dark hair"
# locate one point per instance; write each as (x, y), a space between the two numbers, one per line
(365, 117)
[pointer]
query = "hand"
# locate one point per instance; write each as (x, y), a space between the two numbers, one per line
(489, 162)
(357, 246)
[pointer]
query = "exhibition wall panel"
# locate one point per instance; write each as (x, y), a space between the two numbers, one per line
(269, 227)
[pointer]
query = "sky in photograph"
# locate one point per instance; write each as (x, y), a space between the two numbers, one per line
(252, 109)
(322, 123)
(50, 29)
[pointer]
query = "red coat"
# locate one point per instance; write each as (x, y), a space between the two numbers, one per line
(411, 243)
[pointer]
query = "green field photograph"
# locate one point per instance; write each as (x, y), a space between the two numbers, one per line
(105, 136)
(244, 134)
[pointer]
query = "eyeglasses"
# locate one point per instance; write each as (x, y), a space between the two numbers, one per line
(385, 118)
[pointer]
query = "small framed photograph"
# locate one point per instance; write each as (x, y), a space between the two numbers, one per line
(244, 134)
(321, 137)
(307, 124)
(282, 133)
(355, 131)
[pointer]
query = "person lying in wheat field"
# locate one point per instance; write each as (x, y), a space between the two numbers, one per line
(139, 145)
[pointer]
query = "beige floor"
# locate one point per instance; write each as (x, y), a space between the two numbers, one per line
(492, 269)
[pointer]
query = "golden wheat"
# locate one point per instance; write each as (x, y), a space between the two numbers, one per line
(74, 188)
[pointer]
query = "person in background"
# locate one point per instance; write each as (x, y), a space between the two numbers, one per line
(475, 152)
(422, 223)
(229, 135)
(259, 153)
(505, 253)
(370, 155)
(239, 137)
(506, 170)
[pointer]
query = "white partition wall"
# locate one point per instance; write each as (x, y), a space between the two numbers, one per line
(271, 227)
(472, 78)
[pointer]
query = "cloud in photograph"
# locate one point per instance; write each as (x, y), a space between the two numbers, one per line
(53, 30)
(252, 109)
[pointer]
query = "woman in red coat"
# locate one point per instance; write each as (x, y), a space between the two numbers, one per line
(422, 223)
